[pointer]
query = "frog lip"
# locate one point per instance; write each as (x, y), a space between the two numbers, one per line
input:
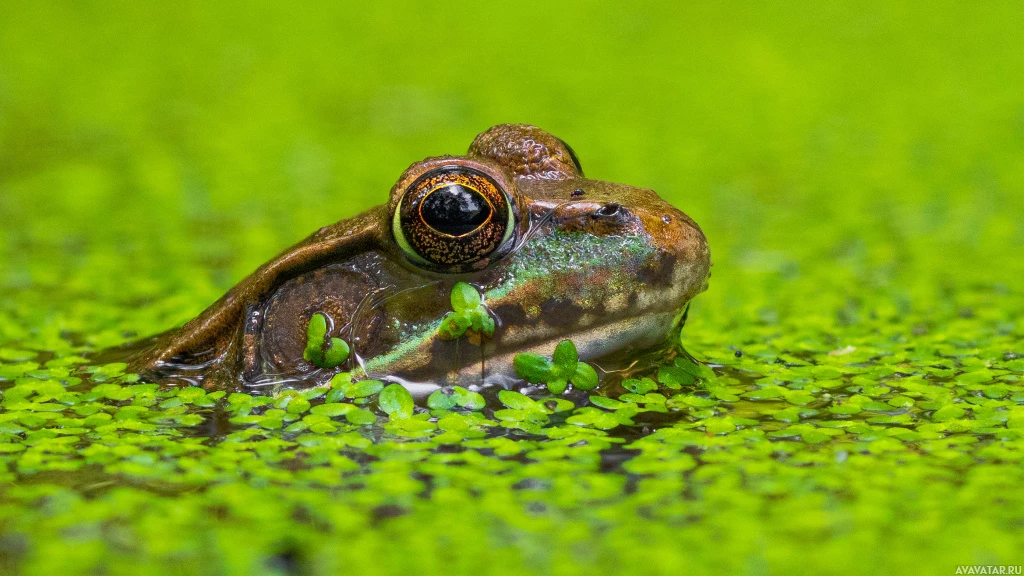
(493, 364)
(600, 339)
(572, 322)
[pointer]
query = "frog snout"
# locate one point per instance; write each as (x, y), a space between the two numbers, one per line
(682, 243)
(684, 236)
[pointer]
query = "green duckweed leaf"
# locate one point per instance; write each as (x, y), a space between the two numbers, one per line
(765, 393)
(333, 354)
(900, 402)
(455, 325)
(336, 353)
(396, 401)
(798, 397)
(298, 405)
(438, 400)
(639, 386)
(565, 358)
(484, 323)
(517, 401)
(608, 403)
(791, 414)
(332, 410)
(696, 370)
(362, 389)
(468, 312)
(846, 408)
(464, 297)
(674, 377)
(468, 399)
(532, 367)
(594, 418)
(557, 373)
(948, 413)
(316, 331)
(719, 425)
(557, 385)
(585, 377)
(360, 417)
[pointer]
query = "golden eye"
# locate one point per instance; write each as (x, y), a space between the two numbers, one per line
(453, 219)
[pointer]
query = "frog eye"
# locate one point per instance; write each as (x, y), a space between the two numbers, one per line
(452, 219)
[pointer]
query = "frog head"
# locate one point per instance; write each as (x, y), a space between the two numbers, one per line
(549, 254)
(554, 254)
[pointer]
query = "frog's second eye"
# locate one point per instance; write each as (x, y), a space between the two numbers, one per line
(452, 219)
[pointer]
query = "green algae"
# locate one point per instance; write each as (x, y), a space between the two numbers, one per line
(857, 172)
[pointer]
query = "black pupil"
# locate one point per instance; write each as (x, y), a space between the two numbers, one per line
(455, 210)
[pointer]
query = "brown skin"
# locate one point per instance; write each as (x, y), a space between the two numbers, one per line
(557, 256)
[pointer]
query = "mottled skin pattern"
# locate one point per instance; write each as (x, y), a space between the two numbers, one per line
(607, 265)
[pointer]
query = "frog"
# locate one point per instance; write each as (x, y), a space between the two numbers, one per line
(512, 232)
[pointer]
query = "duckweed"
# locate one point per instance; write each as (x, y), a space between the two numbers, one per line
(329, 354)
(559, 371)
(678, 459)
(858, 401)
(468, 312)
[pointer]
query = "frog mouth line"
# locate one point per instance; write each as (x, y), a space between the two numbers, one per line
(595, 343)
(480, 371)
(492, 363)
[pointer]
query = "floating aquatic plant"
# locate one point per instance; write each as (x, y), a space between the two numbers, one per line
(864, 324)
(319, 351)
(562, 369)
(468, 312)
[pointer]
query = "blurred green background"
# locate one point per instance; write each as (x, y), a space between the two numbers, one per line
(858, 169)
(183, 144)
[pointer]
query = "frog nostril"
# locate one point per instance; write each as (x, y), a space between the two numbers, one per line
(610, 209)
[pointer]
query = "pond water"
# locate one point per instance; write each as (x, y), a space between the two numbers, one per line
(816, 450)
(861, 402)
